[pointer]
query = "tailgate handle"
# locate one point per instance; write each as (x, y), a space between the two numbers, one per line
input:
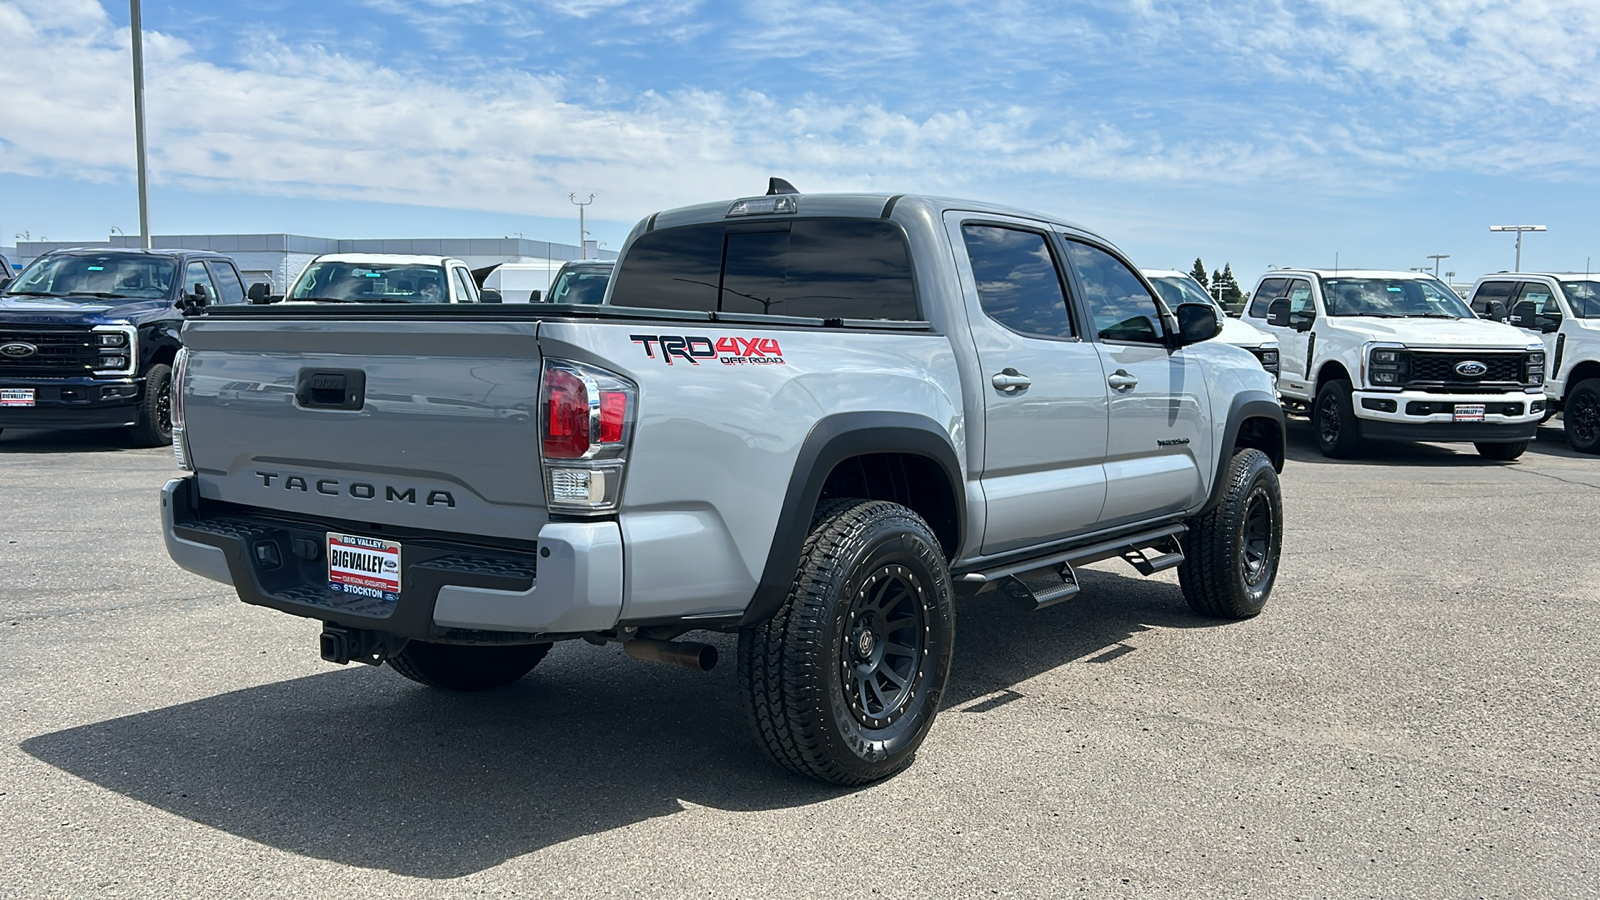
(331, 388)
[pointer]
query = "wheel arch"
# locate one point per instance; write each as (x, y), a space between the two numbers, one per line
(1332, 371)
(902, 457)
(1580, 373)
(1255, 420)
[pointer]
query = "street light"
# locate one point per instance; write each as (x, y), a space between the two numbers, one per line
(1519, 229)
(1436, 257)
(138, 120)
(583, 249)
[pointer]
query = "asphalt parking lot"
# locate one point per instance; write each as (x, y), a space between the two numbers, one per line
(1413, 715)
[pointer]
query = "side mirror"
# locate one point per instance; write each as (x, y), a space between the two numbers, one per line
(536, 297)
(1524, 315)
(1496, 311)
(1549, 324)
(1197, 322)
(1278, 313)
(1302, 320)
(490, 295)
(259, 292)
(200, 296)
(4, 280)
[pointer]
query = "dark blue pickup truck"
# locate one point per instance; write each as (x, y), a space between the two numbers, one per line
(88, 337)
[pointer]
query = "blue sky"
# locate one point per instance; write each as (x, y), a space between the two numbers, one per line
(1257, 132)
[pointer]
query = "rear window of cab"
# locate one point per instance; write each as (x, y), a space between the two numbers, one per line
(818, 268)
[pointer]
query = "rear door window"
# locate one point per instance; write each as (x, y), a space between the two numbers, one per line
(819, 268)
(229, 288)
(1268, 291)
(1018, 283)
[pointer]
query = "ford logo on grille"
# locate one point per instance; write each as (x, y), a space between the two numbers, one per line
(1471, 368)
(17, 350)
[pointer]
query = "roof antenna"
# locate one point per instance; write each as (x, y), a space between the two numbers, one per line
(1336, 264)
(779, 186)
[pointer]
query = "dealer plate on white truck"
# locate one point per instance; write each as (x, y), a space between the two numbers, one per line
(363, 566)
(1469, 412)
(16, 396)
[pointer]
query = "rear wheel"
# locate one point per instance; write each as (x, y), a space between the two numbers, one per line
(1334, 416)
(462, 667)
(843, 682)
(1580, 415)
(154, 426)
(1502, 451)
(1231, 553)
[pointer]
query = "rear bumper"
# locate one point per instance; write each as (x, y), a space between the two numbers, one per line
(74, 403)
(572, 583)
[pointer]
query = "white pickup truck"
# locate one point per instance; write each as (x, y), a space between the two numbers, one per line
(1562, 309)
(1379, 355)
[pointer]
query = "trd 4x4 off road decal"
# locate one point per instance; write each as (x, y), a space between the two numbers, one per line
(730, 351)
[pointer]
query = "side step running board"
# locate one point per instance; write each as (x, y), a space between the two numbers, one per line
(1048, 580)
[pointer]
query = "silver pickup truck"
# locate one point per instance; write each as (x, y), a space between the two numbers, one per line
(809, 420)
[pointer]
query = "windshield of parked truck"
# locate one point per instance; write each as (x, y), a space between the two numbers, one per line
(1583, 297)
(1176, 289)
(347, 282)
(89, 279)
(585, 284)
(1405, 298)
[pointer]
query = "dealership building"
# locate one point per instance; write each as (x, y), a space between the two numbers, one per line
(278, 258)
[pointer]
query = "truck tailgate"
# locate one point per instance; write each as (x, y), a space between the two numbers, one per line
(439, 426)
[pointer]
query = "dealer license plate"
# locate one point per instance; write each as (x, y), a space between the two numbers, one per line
(1469, 412)
(363, 566)
(16, 396)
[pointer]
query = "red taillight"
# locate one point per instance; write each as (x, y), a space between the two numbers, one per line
(566, 415)
(613, 411)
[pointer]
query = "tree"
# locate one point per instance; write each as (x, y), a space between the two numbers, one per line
(1198, 273)
(1232, 297)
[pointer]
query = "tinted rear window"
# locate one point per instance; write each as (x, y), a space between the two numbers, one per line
(822, 268)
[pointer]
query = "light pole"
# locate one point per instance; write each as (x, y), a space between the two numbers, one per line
(1436, 257)
(583, 249)
(138, 120)
(1519, 229)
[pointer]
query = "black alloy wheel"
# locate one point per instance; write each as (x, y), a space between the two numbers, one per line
(1580, 416)
(881, 651)
(1258, 547)
(1334, 417)
(154, 425)
(1231, 553)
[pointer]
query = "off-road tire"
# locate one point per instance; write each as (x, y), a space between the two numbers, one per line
(1333, 419)
(1231, 553)
(154, 426)
(1580, 416)
(815, 685)
(1507, 452)
(464, 667)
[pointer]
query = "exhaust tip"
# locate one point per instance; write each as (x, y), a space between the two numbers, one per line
(683, 654)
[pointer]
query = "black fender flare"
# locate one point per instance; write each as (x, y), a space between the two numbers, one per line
(1247, 405)
(834, 439)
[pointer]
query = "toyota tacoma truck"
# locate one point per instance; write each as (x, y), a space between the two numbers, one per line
(807, 420)
(1563, 311)
(88, 337)
(1398, 356)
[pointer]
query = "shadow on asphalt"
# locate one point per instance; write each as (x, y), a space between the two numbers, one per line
(19, 440)
(1551, 441)
(362, 768)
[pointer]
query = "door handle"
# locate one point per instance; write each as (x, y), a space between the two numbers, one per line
(1010, 381)
(1120, 380)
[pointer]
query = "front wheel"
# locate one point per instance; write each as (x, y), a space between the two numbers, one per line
(1580, 415)
(843, 682)
(1334, 415)
(1503, 451)
(1231, 553)
(467, 667)
(154, 426)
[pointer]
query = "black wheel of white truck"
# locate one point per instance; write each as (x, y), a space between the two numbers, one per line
(1508, 451)
(843, 682)
(1580, 415)
(1334, 415)
(154, 425)
(1231, 553)
(467, 667)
